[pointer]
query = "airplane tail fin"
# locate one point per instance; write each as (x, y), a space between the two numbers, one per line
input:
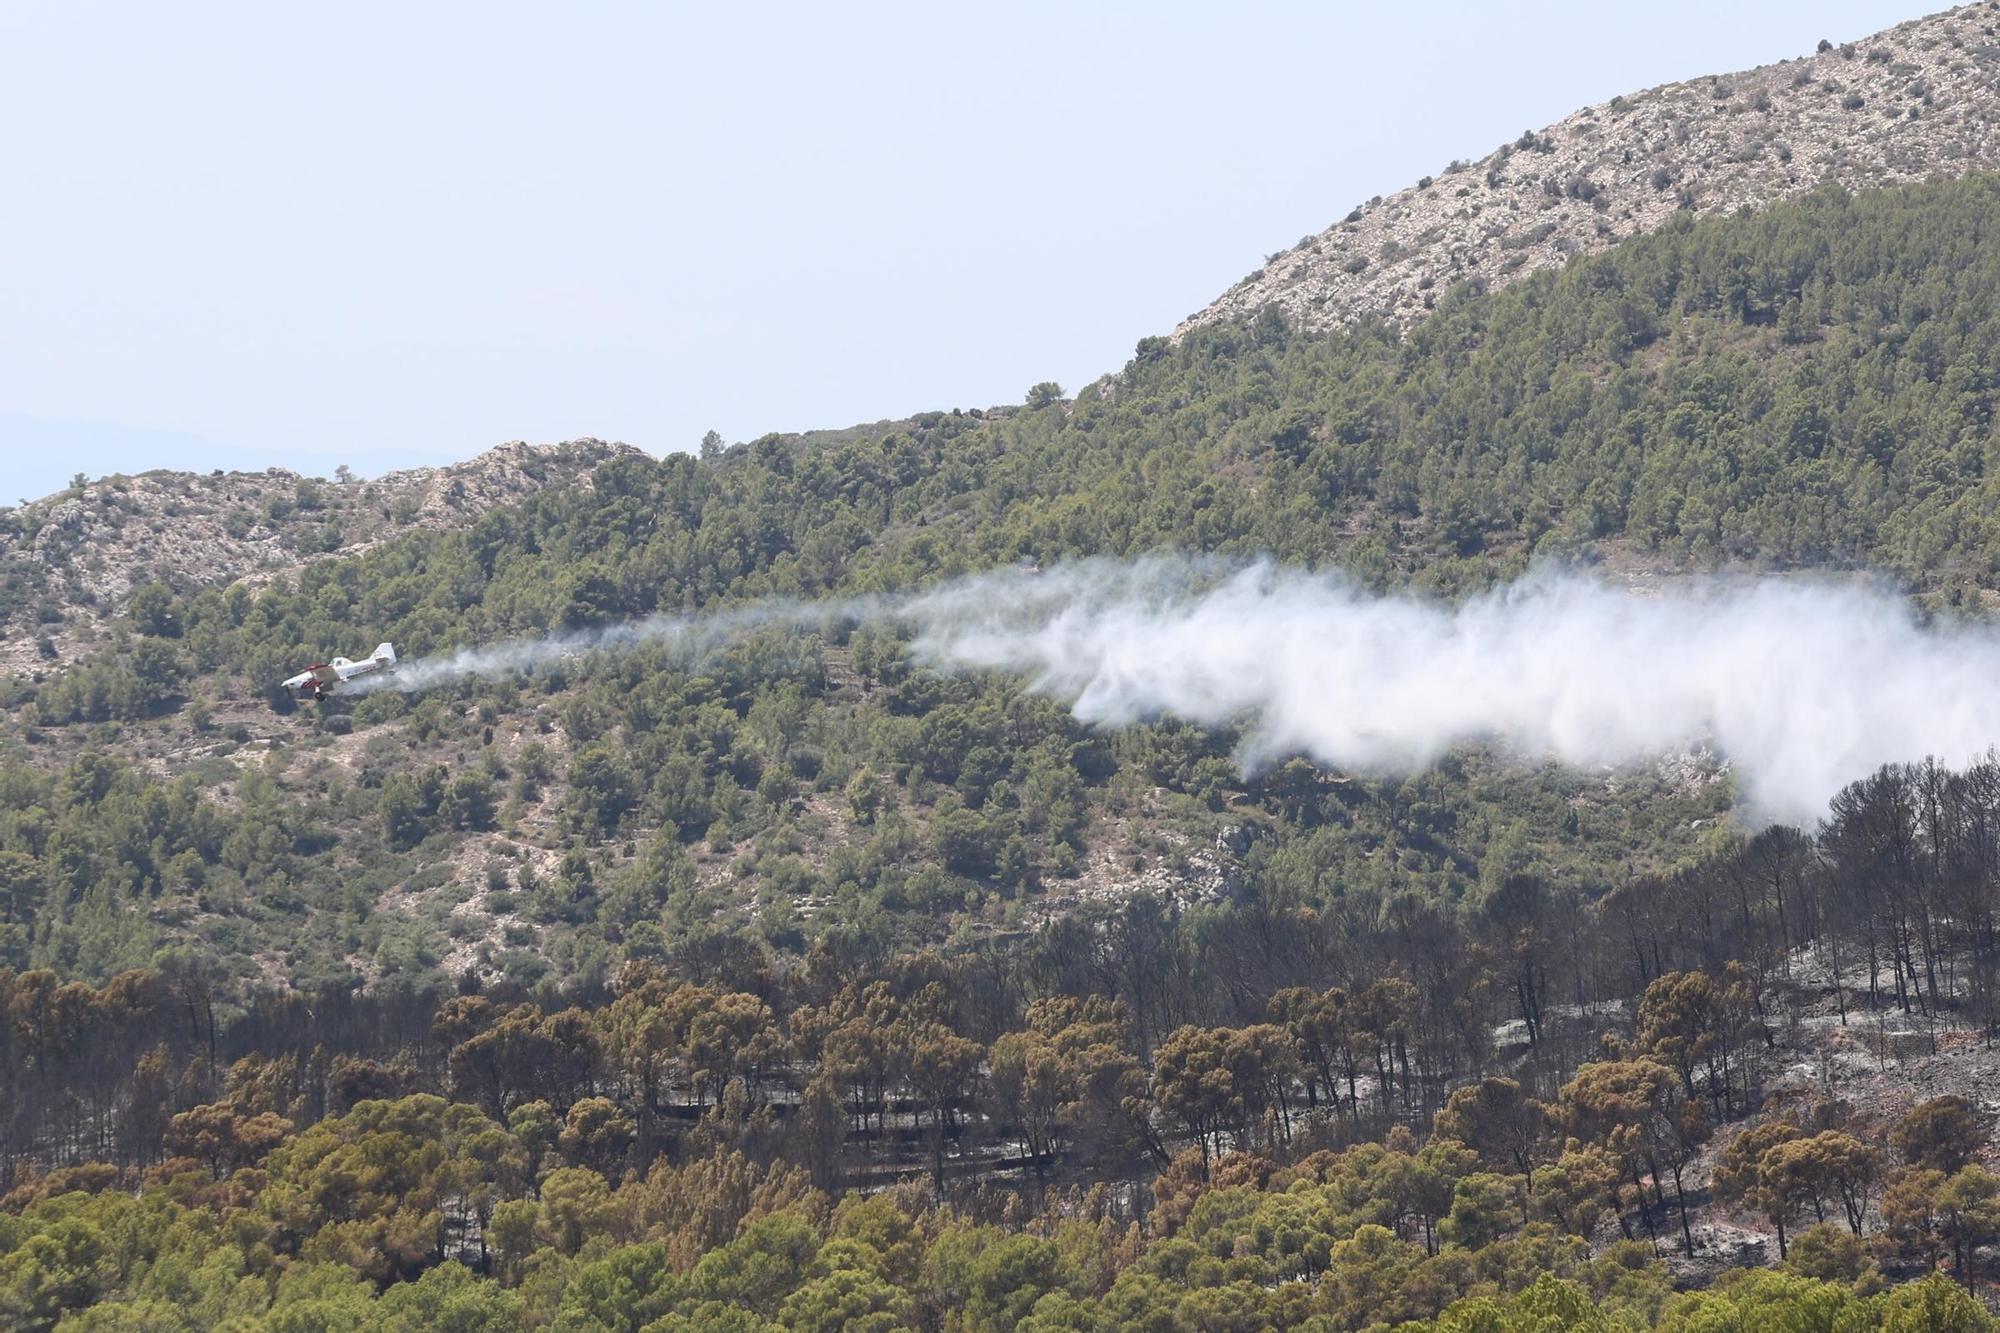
(385, 652)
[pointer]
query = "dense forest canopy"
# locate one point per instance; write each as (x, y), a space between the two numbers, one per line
(788, 985)
(942, 1140)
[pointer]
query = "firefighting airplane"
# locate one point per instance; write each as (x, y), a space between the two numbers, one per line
(324, 678)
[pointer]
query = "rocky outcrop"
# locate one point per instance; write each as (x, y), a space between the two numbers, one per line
(72, 558)
(1918, 101)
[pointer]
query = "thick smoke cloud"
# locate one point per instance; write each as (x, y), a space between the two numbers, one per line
(1805, 684)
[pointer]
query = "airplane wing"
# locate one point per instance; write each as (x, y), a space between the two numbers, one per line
(313, 682)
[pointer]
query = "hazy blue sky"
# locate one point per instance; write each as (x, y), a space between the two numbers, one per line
(237, 236)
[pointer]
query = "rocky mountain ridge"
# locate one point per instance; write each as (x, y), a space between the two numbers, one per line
(68, 561)
(1918, 101)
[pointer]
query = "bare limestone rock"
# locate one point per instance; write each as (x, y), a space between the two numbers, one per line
(1919, 101)
(82, 554)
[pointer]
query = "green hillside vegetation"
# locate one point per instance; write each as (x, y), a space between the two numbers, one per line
(1312, 1247)
(414, 1003)
(1810, 385)
(940, 1140)
(1813, 384)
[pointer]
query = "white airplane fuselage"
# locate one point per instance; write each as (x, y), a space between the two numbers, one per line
(324, 678)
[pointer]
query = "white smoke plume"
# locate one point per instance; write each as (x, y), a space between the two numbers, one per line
(1806, 684)
(690, 634)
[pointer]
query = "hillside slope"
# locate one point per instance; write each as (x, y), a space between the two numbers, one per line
(69, 561)
(772, 972)
(1813, 383)
(1919, 101)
